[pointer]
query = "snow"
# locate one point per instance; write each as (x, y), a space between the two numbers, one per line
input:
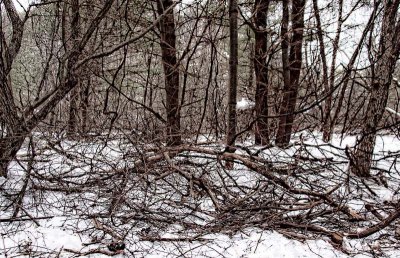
(393, 111)
(253, 243)
(68, 229)
(245, 104)
(22, 5)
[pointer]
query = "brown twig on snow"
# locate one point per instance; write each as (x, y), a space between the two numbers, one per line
(377, 227)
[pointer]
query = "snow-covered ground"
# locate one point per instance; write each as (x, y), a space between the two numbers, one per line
(82, 221)
(252, 243)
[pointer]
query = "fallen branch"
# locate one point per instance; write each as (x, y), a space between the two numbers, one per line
(377, 227)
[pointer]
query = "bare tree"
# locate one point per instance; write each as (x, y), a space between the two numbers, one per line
(73, 39)
(233, 76)
(288, 104)
(382, 74)
(328, 78)
(171, 70)
(261, 133)
(13, 132)
(79, 96)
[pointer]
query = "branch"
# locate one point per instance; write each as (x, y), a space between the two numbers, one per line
(392, 111)
(377, 227)
(17, 32)
(70, 81)
(127, 42)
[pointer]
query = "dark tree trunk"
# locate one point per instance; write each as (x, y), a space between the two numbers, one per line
(73, 40)
(13, 127)
(171, 70)
(261, 133)
(73, 120)
(250, 84)
(13, 131)
(285, 56)
(288, 105)
(9, 146)
(285, 43)
(389, 49)
(233, 77)
(84, 94)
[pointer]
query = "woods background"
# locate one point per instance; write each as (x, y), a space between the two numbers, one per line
(178, 75)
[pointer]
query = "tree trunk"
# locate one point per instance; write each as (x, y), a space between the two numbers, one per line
(326, 117)
(84, 105)
(13, 130)
(389, 49)
(290, 90)
(9, 146)
(233, 78)
(171, 71)
(73, 40)
(328, 124)
(13, 127)
(73, 120)
(285, 43)
(261, 133)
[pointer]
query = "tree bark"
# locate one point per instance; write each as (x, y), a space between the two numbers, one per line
(290, 90)
(388, 53)
(171, 70)
(261, 133)
(73, 121)
(285, 43)
(84, 105)
(13, 133)
(233, 77)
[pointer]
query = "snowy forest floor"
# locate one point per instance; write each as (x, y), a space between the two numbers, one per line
(66, 198)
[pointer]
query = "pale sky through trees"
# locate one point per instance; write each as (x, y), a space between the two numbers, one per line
(24, 3)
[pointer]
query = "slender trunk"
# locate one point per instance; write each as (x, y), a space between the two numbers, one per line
(288, 104)
(233, 78)
(328, 85)
(73, 120)
(285, 43)
(389, 49)
(250, 84)
(261, 133)
(73, 39)
(171, 71)
(328, 123)
(213, 56)
(85, 92)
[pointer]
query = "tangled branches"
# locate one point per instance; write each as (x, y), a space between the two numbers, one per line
(115, 192)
